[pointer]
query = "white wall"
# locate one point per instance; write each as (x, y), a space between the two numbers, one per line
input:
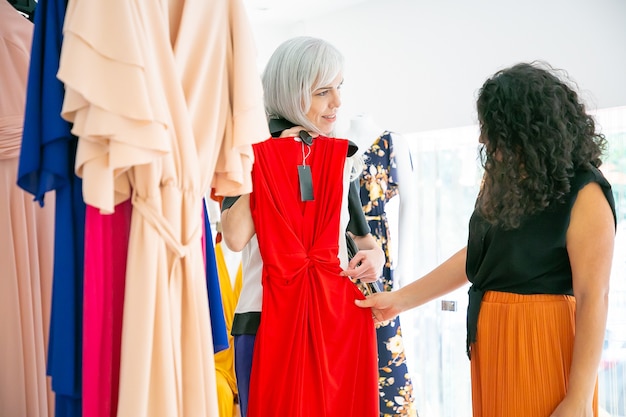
(415, 65)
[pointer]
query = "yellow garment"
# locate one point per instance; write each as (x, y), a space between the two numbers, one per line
(225, 359)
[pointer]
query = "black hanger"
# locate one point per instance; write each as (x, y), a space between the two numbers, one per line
(26, 7)
(278, 125)
(305, 137)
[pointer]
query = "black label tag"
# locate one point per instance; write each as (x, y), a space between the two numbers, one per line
(306, 183)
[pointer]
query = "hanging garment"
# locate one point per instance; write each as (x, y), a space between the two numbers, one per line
(225, 360)
(219, 333)
(106, 238)
(162, 113)
(26, 242)
(315, 350)
(378, 185)
(47, 164)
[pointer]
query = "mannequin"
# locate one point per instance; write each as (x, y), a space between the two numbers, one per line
(364, 131)
(385, 179)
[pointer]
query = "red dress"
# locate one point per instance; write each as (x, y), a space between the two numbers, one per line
(315, 351)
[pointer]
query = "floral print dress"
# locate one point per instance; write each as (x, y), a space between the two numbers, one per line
(378, 186)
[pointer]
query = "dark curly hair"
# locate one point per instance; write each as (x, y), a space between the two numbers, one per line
(535, 133)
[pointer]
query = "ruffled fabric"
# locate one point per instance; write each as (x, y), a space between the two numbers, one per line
(113, 99)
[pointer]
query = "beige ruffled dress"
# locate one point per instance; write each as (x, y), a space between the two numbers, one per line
(166, 100)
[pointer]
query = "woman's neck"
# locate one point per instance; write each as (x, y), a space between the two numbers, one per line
(363, 131)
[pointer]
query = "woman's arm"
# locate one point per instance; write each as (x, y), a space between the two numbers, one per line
(590, 240)
(447, 277)
(237, 225)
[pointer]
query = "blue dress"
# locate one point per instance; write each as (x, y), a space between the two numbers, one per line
(47, 164)
(378, 186)
(216, 307)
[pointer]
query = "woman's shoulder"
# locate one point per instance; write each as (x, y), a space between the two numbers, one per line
(585, 175)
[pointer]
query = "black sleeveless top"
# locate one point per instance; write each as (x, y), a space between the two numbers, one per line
(532, 259)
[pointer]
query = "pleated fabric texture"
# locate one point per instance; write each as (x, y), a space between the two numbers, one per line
(522, 356)
(26, 236)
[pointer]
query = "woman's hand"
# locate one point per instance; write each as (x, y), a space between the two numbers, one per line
(366, 265)
(572, 408)
(384, 305)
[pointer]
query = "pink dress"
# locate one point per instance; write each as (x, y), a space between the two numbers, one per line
(106, 239)
(26, 242)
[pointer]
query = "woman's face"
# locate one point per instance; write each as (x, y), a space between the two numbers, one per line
(324, 104)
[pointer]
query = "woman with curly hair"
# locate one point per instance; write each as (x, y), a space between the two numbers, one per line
(539, 252)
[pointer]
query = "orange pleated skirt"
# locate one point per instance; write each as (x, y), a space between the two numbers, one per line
(521, 359)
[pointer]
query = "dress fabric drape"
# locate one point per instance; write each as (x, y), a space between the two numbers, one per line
(106, 238)
(26, 236)
(165, 106)
(47, 164)
(315, 351)
(27, 233)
